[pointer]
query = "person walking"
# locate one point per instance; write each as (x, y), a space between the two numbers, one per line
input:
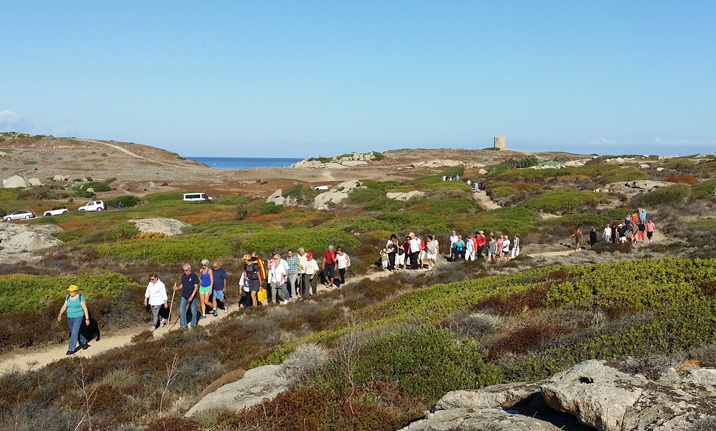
(302, 259)
(329, 266)
(592, 237)
(343, 261)
(650, 228)
(432, 248)
(277, 278)
(311, 274)
(218, 285)
(155, 297)
(252, 273)
(189, 289)
(391, 247)
(516, 246)
(76, 310)
(293, 272)
(578, 238)
(207, 280)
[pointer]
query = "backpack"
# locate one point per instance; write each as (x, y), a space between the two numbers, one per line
(260, 268)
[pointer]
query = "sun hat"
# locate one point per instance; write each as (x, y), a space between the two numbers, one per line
(72, 288)
(309, 255)
(247, 257)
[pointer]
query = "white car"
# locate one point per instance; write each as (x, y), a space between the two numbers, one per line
(55, 211)
(19, 215)
(317, 188)
(93, 206)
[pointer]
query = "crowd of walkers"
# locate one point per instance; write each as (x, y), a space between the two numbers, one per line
(635, 228)
(421, 251)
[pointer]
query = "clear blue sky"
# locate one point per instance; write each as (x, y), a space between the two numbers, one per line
(302, 78)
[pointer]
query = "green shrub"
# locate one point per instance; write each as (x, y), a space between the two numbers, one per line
(3, 212)
(424, 361)
(679, 163)
(46, 193)
(561, 200)
(453, 207)
(502, 192)
(128, 201)
(115, 232)
(670, 196)
(269, 208)
(243, 210)
(378, 156)
(21, 292)
(702, 189)
(171, 250)
(316, 239)
(527, 161)
(617, 174)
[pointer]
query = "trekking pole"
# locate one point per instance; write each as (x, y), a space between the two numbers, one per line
(171, 304)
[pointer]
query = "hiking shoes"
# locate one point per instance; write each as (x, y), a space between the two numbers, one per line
(69, 352)
(216, 312)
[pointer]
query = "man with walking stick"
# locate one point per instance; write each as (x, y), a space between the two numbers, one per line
(189, 287)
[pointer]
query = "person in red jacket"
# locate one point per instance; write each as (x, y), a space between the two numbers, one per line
(329, 266)
(480, 241)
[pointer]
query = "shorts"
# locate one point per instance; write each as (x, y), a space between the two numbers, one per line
(254, 285)
(219, 294)
(204, 289)
(649, 234)
(330, 270)
(431, 256)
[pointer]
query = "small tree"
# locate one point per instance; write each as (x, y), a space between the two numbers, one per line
(527, 161)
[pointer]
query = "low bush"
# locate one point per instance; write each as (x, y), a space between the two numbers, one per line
(704, 189)
(618, 174)
(46, 193)
(561, 200)
(667, 196)
(112, 233)
(184, 248)
(128, 201)
(679, 163)
(527, 161)
(269, 208)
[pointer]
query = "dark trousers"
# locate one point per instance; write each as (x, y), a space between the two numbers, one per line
(391, 261)
(480, 249)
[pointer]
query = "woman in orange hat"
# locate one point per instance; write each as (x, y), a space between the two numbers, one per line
(76, 313)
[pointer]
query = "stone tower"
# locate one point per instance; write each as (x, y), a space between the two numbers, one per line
(500, 143)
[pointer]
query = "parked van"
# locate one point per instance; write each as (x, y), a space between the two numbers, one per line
(196, 197)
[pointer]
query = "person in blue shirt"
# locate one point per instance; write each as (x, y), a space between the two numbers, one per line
(219, 286)
(189, 288)
(76, 310)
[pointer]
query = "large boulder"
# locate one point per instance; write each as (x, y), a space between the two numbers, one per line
(14, 181)
(35, 182)
(591, 395)
(18, 242)
(404, 196)
(335, 195)
(278, 198)
(257, 384)
(60, 177)
(167, 226)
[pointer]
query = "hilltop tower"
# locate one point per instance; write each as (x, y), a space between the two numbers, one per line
(500, 143)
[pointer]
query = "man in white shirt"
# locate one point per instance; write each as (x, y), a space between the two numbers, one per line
(278, 274)
(414, 250)
(155, 296)
(608, 234)
(453, 245)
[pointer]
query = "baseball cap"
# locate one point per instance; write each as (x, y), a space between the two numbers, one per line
(72, 288)
(309, 255)
(247, 257)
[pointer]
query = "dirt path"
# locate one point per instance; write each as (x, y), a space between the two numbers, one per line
(484, 200)
(129, 153)
(25, 360)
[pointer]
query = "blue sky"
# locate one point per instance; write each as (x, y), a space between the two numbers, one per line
(296, 79)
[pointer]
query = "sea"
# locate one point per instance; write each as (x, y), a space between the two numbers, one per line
(243, 162)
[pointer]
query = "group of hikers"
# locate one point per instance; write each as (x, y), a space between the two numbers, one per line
(476, 184)
(291, 277)
(635, 228)
(421, 251)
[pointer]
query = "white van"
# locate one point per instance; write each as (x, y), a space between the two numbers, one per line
(196, 197)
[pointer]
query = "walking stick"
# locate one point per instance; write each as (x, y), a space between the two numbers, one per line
(171, 304)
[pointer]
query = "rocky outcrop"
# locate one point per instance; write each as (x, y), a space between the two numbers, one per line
(19, 241)
(348, 161)
(59, 177)
(631, 188)
(405, 196)
(258, 384)
(278, 198)
(592, 395)
(167, 226)
(14, 181)
(335, 195)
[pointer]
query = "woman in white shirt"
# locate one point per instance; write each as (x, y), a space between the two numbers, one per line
(278, 275)
(342, 262)
(155, 296)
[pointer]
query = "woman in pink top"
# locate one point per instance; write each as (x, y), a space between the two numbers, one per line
(650, 229)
